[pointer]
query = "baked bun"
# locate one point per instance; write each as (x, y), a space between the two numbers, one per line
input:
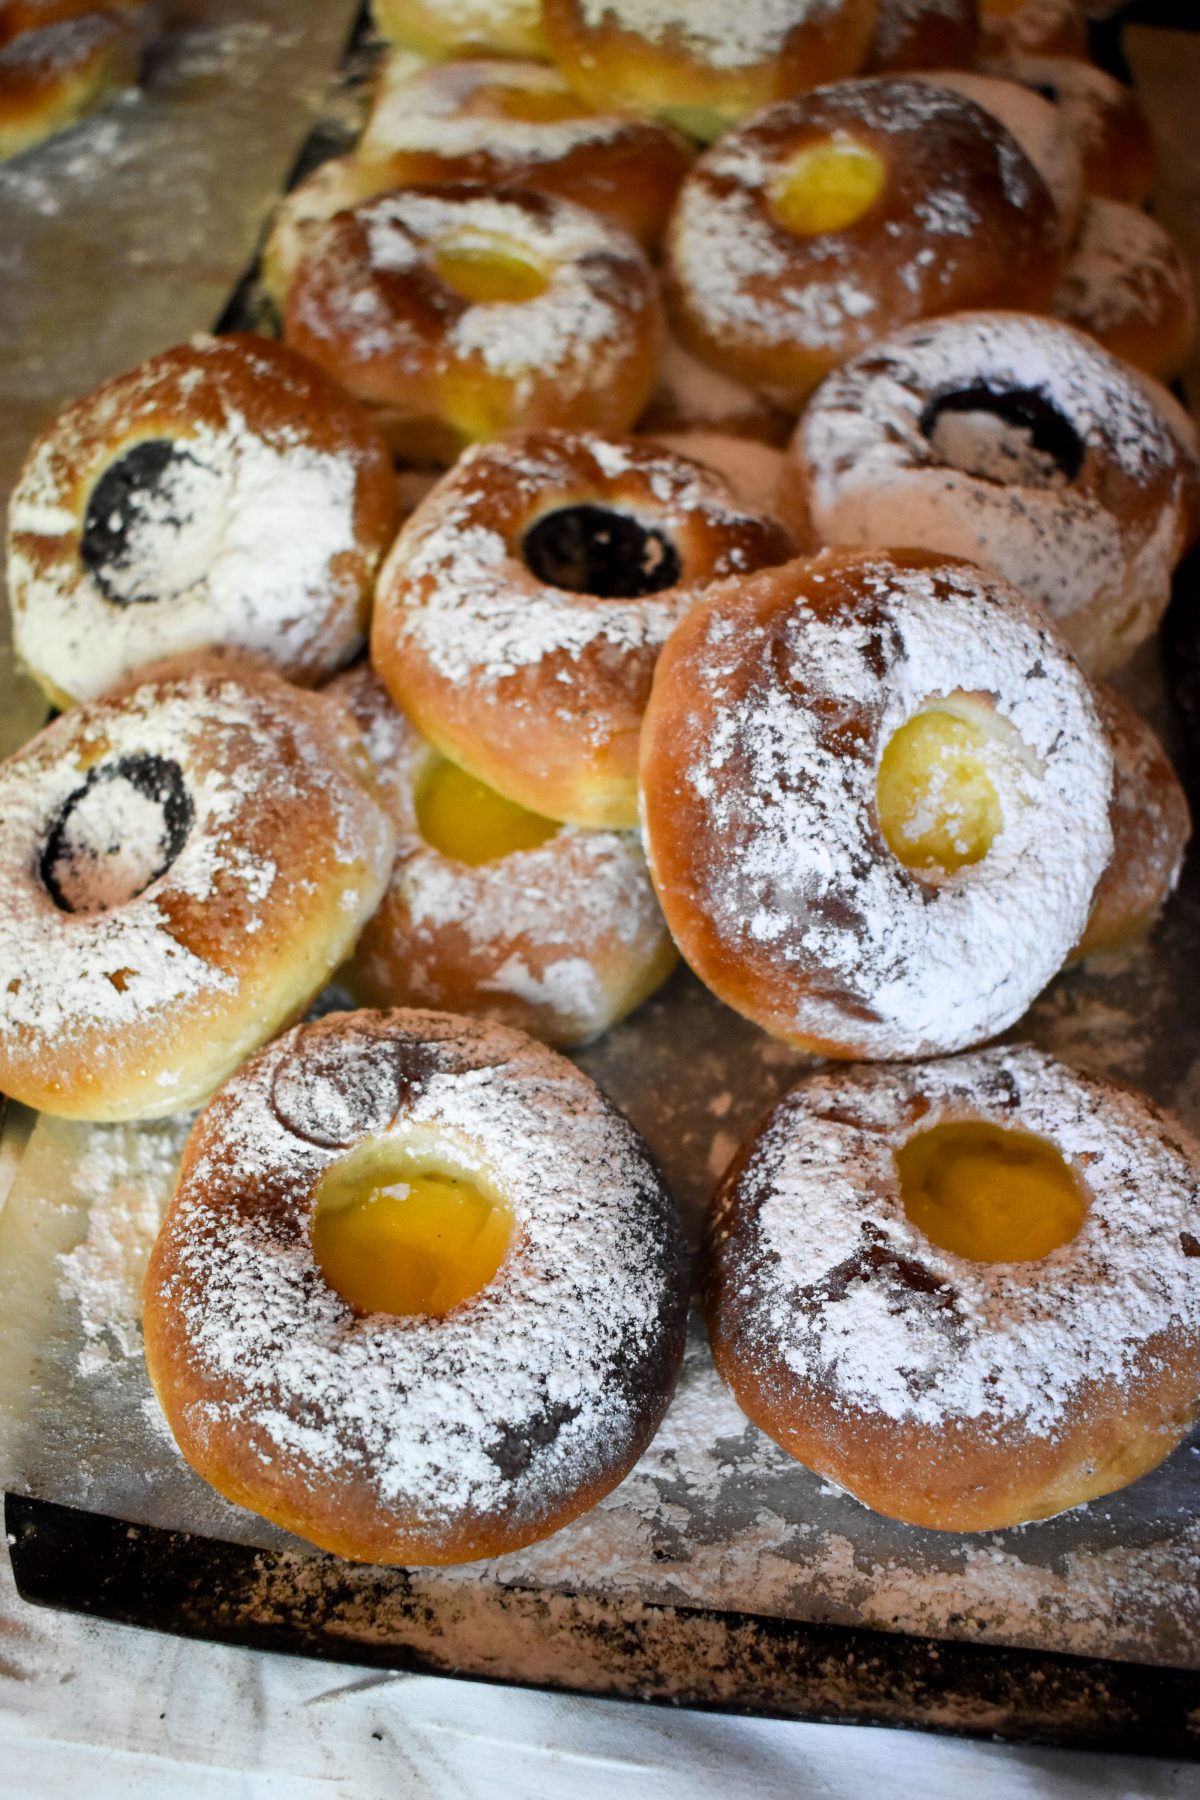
(821, 225)
(923, 34)
(492, 910)
(54, 75)
(224, 493)
(1151, 826)
(690, 395)
(875, 797)
(701, 66)
(520, 613)
(461, 313)
(518, 124)
(1041, 130)
(1103, 116)
(186, 861)
(420, 1295)
(1128, 285)
(966, 1291)
(445, 28)
(1018, 443)
(19, 16)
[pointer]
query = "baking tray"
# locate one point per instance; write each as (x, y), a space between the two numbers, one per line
(720, 1573)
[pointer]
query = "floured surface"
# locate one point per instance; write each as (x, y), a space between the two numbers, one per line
(714, 1515)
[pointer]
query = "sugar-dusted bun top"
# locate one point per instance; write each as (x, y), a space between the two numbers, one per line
(773, 706)
(825, 1272)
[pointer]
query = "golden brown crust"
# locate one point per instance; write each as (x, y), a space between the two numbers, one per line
(771, 707)
(118, 1008)
(1151, 826)
(418, 1439)
(1032, 27)
(964, 220)
(254, 420)
(703, 72)
(923, 34)
(55, 74)
(440, 371)
(1103, 115)
(560, 941)
(537, 690)
(999, 1437)
(479, 122)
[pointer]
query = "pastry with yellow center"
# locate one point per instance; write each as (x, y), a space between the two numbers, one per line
(460, 313)
(816, 227)
(494, 910)
(875, 798)
(420, 1295)
(964, 1290)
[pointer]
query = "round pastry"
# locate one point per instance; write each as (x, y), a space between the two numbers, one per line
(224, 493)
(875, 800)
(1151, 826)
(968, 1291)
(518, 124)
(335, 186)
(462, 313)
(446, 28)
(53, 76)
(1128, 285)
(186, 860)
(1013, 441)
(1039, 127)
(1103, 116)
(704, 65)
(520, 613)
(923, 34)
(821, 225)
(493, 910)
(420, 1295)
(1032, 28)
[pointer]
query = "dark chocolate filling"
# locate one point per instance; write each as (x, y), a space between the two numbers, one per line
(137, 483)
(1047, 431)
(65, 866)
(595, 550)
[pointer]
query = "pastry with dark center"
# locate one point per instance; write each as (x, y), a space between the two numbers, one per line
(187, 861)
(520, 613)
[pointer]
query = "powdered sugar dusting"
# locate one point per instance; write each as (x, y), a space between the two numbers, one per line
(1018, 1344)
(873, 476)
(1125, 269)
(246, 538)
(722, 36)
(789, 867)
(465, 1414)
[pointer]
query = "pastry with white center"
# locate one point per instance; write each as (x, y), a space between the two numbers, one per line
(186, 861)
(492, 910)
(223, 494)
(420, 1295)
(875, 798)
(1018, 443)
(523, 605)
(967, 1291)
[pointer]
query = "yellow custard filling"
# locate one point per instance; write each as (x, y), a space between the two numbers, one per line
(827, 186)
(470, 822)
(395, 1236)
(989, 1192)
(485, 267)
